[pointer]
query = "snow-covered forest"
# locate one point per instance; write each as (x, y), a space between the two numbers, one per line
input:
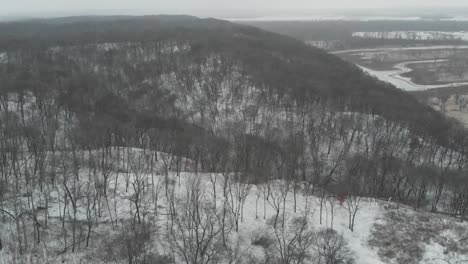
(217, 143)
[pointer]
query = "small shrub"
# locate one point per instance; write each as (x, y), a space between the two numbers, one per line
(262, 240)
(332, 248)
(396, 239)
(152, 258)
(131, 244)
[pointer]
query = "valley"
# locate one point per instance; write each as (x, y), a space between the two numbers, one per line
(419, 69)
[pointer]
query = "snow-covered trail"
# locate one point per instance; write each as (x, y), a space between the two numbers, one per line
(395, 76)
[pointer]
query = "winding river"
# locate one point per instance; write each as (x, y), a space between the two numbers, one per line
(395, 76)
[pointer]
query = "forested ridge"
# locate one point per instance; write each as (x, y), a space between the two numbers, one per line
(270, 59)
(87, 101)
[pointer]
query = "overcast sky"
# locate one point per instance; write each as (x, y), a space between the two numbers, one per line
(13, 7)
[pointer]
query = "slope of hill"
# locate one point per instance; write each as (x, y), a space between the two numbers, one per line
(281, 64)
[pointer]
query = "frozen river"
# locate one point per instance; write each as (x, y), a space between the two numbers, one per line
(395, 76)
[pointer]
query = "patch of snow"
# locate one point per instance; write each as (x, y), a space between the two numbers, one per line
(3, 57)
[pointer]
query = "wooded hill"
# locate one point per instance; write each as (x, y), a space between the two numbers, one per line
(230, 97)
(284, 65)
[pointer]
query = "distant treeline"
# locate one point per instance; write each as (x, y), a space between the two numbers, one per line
(343, 30)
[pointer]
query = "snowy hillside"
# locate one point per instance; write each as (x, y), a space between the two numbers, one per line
(248, 218)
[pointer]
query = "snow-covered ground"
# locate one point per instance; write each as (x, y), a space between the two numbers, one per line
(249, 227)
(255, 217)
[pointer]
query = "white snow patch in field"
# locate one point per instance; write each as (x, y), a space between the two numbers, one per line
(3, 57)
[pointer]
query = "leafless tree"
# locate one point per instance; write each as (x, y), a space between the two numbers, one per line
(278, 194)
(294, 242)
(196, 233)
(332, 248)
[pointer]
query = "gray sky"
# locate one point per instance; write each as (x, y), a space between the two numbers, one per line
(13, 7)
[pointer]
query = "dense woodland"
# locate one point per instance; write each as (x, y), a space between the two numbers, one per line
(205, 96)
